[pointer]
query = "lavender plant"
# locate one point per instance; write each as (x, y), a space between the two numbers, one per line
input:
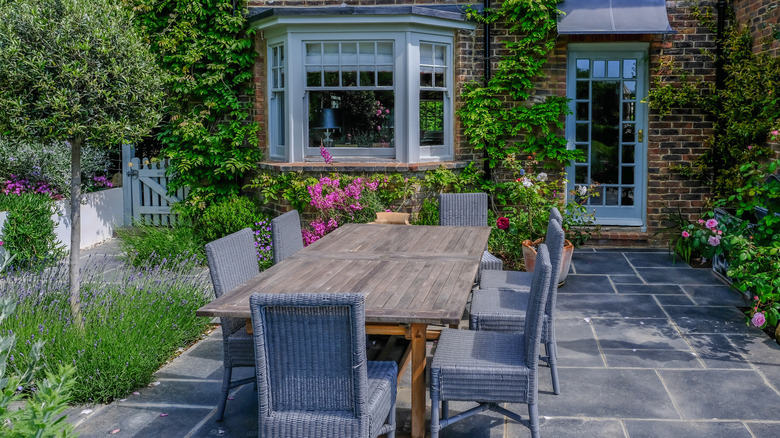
(264, 244)
(134, 320)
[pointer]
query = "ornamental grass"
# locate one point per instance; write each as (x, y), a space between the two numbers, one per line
(135, 319)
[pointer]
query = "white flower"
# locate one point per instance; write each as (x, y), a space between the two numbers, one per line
(527, 182)
(582, 190)
(542, 177)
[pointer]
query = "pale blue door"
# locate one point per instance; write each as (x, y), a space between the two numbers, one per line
(606, 84)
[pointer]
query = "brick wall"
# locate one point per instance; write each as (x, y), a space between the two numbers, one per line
(763, 19)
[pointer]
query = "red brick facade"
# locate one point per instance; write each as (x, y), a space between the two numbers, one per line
(763, 19)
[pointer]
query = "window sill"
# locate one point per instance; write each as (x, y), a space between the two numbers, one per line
(361, 166)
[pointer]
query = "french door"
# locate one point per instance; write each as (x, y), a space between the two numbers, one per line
(606, 83)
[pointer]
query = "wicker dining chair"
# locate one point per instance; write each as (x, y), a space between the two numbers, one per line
(233, 260)
(313, 376)
(286, 235)
(503, 307)
(468, 209)
(492, 367)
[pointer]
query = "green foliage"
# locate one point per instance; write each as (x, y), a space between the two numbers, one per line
(41, 414)
(227, 216)
(75, 69)
(143, 243)
(491, 121)
(133, 323)
(755, 269)
(206, 50)
(429, 212)
(744, 111)
(443, 180)
(28, 232)
(290, 186)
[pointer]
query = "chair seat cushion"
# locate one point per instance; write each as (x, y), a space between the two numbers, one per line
(382, 382)
(239, 349)
(481, 366)
(517, 280)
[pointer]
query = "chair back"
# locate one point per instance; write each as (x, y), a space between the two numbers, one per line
(310, 352)
(286, 235)
(537, 300)
(556, 215)
(463, 209)
(232, 260)
(555, 239)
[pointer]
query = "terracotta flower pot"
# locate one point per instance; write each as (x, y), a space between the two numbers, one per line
(529, 257)
(383, 217)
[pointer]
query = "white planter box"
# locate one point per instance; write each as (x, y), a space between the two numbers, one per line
(101, 213)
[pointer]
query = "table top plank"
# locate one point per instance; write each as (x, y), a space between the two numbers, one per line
(408, 273)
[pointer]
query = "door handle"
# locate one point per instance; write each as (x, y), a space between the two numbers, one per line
(641, 136)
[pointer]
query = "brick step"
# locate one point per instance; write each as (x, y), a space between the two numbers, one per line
(614, 236)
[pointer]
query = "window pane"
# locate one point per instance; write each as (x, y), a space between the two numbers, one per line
(384, 53)
(275, 57)
(330, 53)
(629, 68)
(628, 133)
(628, 111)
(613, 69)
(313, 77)
(367, 76)
(581, 175)
(331, 76)
(582, 111)
(628, 175)
(440, 55)
(431, 118)
(584, 149)
(598, 69)
(426, 54)
(385, 75)
(426, 76)
(275, 78)
(628, 153)
(598, 196)
(628, 196)
(351, 118)
(582, 132)
(610, 195)
(314, 53)
(629, 90)
(349, 76)
(366, 56)
(439, 78)
(349, 53)
(583, 89)
(583, 68)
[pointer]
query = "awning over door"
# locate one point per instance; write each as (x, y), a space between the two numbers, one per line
(613, 17)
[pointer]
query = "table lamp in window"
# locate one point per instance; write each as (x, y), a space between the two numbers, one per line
(328, 119)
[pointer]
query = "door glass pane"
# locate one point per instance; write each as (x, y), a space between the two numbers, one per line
(581, 175)
(583, 89)
(583, 68)
(628, 154)
(604, 132)
(628, 175)
(597, 198)
(629, 90)
(629, 68)
(584, 149)
(582, 111)
(628, 132)
(628, 111)
(628, 196)
(582, 132)
(599, 68)
(611, 196)
(613, 69)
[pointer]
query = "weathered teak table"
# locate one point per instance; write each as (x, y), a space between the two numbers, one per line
(411, 276)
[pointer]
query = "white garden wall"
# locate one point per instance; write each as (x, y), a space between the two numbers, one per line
(101, 213)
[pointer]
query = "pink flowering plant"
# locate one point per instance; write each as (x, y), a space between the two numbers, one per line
(701, 238)
(755, 269)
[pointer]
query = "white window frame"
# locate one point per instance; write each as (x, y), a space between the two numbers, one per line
(407, 32)
(276, 142)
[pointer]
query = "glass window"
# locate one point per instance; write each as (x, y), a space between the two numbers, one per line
(277, 116)
(433, 87)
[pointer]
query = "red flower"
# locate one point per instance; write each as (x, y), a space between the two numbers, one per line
(502, 223)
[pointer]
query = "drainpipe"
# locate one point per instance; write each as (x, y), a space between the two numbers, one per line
(486, 36)
(719, 74)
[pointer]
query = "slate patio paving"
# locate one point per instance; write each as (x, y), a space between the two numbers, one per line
(647, 348)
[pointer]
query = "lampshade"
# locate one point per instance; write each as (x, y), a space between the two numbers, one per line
(328, 118)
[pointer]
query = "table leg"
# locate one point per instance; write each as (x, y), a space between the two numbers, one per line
(418, 379)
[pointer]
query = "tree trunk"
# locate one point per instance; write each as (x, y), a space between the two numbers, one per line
(75, 230)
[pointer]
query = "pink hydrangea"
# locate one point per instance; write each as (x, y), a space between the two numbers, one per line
(758, 319)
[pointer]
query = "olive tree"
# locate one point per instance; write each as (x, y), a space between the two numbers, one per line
(75, 72)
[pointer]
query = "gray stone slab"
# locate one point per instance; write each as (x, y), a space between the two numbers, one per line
(604, 306)
(762, 351)
(654, 289)
(142, 421)
(198, 392)
(203, 362)
(568, 427)
(715, 295)
(687, 429)
(608, 393)
(240, 419)
(625, 279)
(601, 263)
(716, 351)
(638, 358)
(721, 394)
(674, 300)
(764, 430)
(591, 284)
(486, 424)
(654, 259)
(577, 346)
(652, 334)
(681, 274)
(708, 319)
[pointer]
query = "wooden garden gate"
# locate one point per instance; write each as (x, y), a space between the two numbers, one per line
(145, 190)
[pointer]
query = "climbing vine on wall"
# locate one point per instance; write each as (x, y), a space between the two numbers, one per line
(206, 48)
(497, 113)
(744, 110)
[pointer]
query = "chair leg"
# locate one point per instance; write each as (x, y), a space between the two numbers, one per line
(445, 409)
(552, 359)
(391, 420)
(435, 427)
(224, 394)
(533, 417)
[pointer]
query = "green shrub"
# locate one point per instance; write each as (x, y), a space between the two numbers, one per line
(133, 323)
(429, 212)
(143, 243)
(28, 232)
(227, 216)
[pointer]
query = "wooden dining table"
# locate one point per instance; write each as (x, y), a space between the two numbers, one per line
(411, 275)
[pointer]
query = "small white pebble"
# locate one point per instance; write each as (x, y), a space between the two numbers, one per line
(122, 399)
(86, 411)
(154, 383)
(136, 393)
(546, 418)
(641, 323)
(633, 349)
(586, 319)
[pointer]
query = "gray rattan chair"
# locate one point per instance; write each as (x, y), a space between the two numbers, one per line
(503, 308)
(233, 260)
(470, 210)
(313, 376)
(286, 235)
(491, 367)
(556, 215)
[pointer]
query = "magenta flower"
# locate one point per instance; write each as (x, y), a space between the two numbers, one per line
(686, 234)
(714, 240)
(711, 223)
(326, 155)
(701, 221)
(502, 223)
(758, 319)
(775, 132)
